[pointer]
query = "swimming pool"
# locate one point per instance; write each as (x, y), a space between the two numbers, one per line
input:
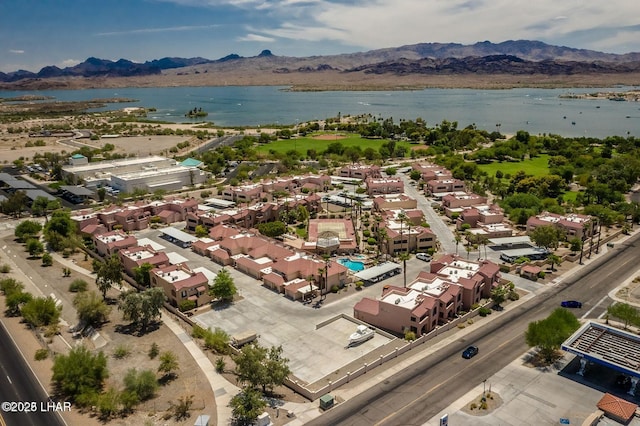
(354, 265)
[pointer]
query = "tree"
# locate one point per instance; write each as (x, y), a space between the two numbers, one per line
(41, 206)
(141, 383)
(223, 286)
(27, 229)
(404, 257)
(499, 295)
(272, 229)
(80, 372)
(102, 193)
(91, 309)
(142, 274)
(546, 236)
(108, 273)
(259, 366)
(554, 260)
(60, 226)
(15, 301)
(15, 204)
(624, 312)
(47, 260)
(247, 406)
(34, 247)
(142, 308)
(168, 364)
(41, 311)
(201, 231)
(548, 334)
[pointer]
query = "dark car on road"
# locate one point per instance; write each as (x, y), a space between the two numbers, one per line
(571, 304)
(470, 352)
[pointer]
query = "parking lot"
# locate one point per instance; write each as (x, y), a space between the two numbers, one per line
(313, 351)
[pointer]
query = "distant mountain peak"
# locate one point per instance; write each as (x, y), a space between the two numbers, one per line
(265, 53)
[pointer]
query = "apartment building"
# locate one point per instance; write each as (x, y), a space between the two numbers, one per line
(111, 242)
(439, 186)
(433, 298)
(181, 283)
(134, 257)
(379, 186)
(360, 171)
(394, 202)
(573, 225)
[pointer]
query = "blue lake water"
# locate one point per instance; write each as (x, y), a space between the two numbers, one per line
(534, 110)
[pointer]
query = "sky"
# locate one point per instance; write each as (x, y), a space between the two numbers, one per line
(37, 33)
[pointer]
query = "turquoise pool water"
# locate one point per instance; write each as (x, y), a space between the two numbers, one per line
(354, 265)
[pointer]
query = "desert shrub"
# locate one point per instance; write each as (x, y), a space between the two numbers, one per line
(142, 383)
(154, 351)
(5, 269)
(409, 336)
(541, 274)
(334, 289)
(513, 295)
(41, 354)
(121, 352)
(483, 312)
(186, 305)
(78, 286)
(220, 365)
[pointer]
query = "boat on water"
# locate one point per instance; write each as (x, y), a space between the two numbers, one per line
(362, 334)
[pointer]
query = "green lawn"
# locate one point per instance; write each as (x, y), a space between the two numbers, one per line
(538, 166)
(302, 144)
(570, 196)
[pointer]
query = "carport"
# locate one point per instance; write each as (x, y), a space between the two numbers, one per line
(613, 348)
(179, 237)
(379, 273)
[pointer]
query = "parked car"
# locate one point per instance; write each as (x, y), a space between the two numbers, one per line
(470, 352)
(423, 256)
(571, 304)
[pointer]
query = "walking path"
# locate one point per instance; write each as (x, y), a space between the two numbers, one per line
(222, 389)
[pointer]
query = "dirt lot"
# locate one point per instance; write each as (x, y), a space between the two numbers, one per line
(190, 381)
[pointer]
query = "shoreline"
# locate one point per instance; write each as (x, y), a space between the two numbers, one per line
(331, 81)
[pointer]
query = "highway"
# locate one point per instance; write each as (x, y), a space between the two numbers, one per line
(18, 384)
(418, 394)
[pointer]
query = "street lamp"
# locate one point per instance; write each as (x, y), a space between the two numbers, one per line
(484, 387)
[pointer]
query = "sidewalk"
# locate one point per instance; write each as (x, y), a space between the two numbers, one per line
(308, 411)
(222, 389)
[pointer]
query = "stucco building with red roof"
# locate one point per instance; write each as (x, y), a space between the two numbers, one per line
(433, 298)
(573, 225)
(181, 283)
(111, 242)
(134, 257)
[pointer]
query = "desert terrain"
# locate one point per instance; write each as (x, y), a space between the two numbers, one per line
(327, 80)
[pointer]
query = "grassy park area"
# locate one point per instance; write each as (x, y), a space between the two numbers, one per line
(537, 166)
(320, 142)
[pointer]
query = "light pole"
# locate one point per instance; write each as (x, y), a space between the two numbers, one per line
(484, 387)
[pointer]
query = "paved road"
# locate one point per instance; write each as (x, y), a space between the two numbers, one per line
(19, 384)
(444, 234)
(419, 393)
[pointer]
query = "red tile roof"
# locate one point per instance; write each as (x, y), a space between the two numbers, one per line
(617, 407)
(367, 305)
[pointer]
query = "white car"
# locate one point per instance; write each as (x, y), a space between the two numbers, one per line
(423, 256)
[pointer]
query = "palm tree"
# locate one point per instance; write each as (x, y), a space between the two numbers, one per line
(404, 257)
(457, 239)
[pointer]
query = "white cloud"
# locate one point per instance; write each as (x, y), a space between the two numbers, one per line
(16, 51)
(386, 23)
(392, 23)
(157, 30)
(256, 37)
(68, 63)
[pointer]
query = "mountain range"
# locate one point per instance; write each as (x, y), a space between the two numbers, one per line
(521, 57)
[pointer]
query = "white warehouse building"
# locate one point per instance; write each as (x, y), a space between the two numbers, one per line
(169, 179)
(148, 173)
